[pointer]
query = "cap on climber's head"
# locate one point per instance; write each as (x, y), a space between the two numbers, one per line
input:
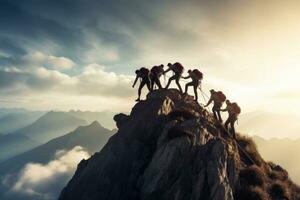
(212, 91)
(169, 64)
(161, 65)
(227, 101)
(137, 71)
(189, 71)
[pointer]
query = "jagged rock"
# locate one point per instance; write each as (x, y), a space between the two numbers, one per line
(120, 119)
(168, 148)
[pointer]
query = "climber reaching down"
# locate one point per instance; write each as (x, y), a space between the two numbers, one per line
(218, 99)
(143, 75)
(177, 68)
(196, 77)
(155, 74)
(233, 111)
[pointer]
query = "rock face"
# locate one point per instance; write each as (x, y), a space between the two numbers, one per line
(167, 148)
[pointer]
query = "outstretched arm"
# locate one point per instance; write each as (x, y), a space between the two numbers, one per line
(136, 78)
(186, 77)
(209, 102)
(167, 70)
(225, 109)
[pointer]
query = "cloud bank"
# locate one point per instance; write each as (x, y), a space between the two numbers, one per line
(44, 181)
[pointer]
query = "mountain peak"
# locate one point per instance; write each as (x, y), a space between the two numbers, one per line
(169, 147)
(95, 124)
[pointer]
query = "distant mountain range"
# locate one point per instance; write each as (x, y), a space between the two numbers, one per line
(92, 138)
(38, 140)
(42, 127)
(14, 119)
(51, 125)
(47, 127)
(105, 118)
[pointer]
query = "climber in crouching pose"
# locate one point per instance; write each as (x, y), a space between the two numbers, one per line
(155, 74)
(233, 111)
(142, 74)
(196, 77)
(218, 99)
(177, 68)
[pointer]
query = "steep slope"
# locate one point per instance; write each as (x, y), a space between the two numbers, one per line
(170, 148)
(91, 138)
(51, 125)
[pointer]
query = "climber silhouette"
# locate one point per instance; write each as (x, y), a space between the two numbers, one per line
(177, 68)
(196, 77)
(218, 99)
(233, 111)
(142, 74)
(155, 74)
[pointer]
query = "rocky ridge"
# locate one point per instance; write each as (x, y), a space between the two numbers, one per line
(169, 147)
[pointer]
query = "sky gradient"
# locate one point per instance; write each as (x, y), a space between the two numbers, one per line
(63, 54)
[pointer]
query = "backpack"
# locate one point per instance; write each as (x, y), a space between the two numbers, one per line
(178, 68)
(236, 109)
(144, 72)
(154, 70)
(198, 74)
(221, 96)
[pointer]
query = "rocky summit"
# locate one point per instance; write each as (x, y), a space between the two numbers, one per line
(170, 148)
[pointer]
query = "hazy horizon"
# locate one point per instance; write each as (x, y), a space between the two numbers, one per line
(83, 56)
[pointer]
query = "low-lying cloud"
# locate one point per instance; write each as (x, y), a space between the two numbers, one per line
(44, 181)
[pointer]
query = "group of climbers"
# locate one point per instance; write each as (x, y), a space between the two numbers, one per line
(151, 78)
(218, 98)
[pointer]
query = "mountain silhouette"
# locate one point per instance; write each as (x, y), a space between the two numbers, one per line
(170, 148)
(47, 127)
(15, 119)
(103, 117)
(51, 125)
(92, 138)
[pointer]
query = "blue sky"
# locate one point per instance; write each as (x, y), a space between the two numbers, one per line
(63, 54)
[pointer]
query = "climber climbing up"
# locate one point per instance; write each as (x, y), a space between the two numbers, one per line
(233, 111)
(196, 77)
(177, 68)
(218, 99)
(155, 74)
(142, 74)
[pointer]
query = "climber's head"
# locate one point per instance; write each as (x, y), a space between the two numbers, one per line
(137, 71)
(228, 102)
(169, 64)
(212, 91)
